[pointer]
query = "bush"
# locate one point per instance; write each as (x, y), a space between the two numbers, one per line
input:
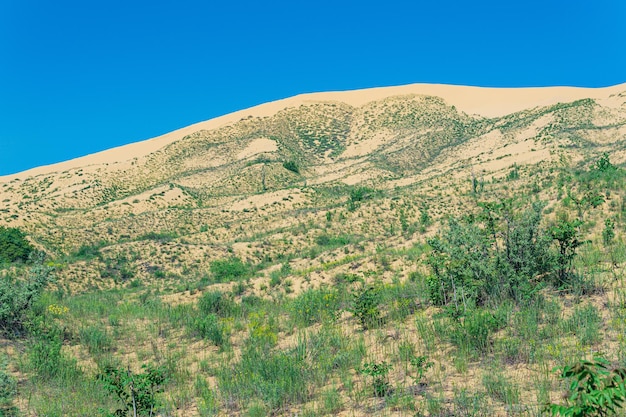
(567, 235)
(594, 391)
(17, 296)
(136, 391)
(365, 307)
(291, 166)
(494, 255)
(378, 372)
(232, 269)
(334, 241)
(357, 195)
(88, 252)
(13, 245)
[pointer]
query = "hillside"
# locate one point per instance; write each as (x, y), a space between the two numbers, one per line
(302, 204)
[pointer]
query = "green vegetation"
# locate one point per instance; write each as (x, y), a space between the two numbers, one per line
(8, 390)
(13, 245)
(378, 372)
(291, 166)
(595, 390)
(18, 295)
(137, 392)
(231, 269)
(382, 283)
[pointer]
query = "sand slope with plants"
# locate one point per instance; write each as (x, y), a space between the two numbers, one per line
(416, 250)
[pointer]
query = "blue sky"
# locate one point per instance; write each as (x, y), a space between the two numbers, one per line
(77, 77)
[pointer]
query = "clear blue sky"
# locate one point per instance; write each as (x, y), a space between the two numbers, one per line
(77, 77)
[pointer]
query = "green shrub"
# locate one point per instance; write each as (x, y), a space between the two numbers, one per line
(291, 166)
(17, 297)
(493, 256)
(231, 269)
(595, 390)
(136, 391)
(567, 235)
(357, 195)
(365, 307)
(608, 233)
(13, 245)
(332, 241)
(88, 252)
(378, 372)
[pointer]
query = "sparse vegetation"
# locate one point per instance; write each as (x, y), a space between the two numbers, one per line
(407, 269)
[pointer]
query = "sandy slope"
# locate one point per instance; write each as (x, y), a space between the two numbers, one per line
(487, 102)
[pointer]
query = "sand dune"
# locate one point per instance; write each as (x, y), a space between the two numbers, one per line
(482, 101)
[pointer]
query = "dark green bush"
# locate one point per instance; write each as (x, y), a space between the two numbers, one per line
(494, 256)
(231, 269)
(87, 252)
(291, 166)
(13, 245)
(327, 240)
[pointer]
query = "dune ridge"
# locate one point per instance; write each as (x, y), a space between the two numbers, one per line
(482, 101)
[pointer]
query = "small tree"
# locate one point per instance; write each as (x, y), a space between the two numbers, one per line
(608, 234)
(378, 372)
(365, 308)
(136, 391)
(604, 164)
(595, 390)
(566, 234)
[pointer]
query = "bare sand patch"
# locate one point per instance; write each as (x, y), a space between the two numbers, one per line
(257, 146)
